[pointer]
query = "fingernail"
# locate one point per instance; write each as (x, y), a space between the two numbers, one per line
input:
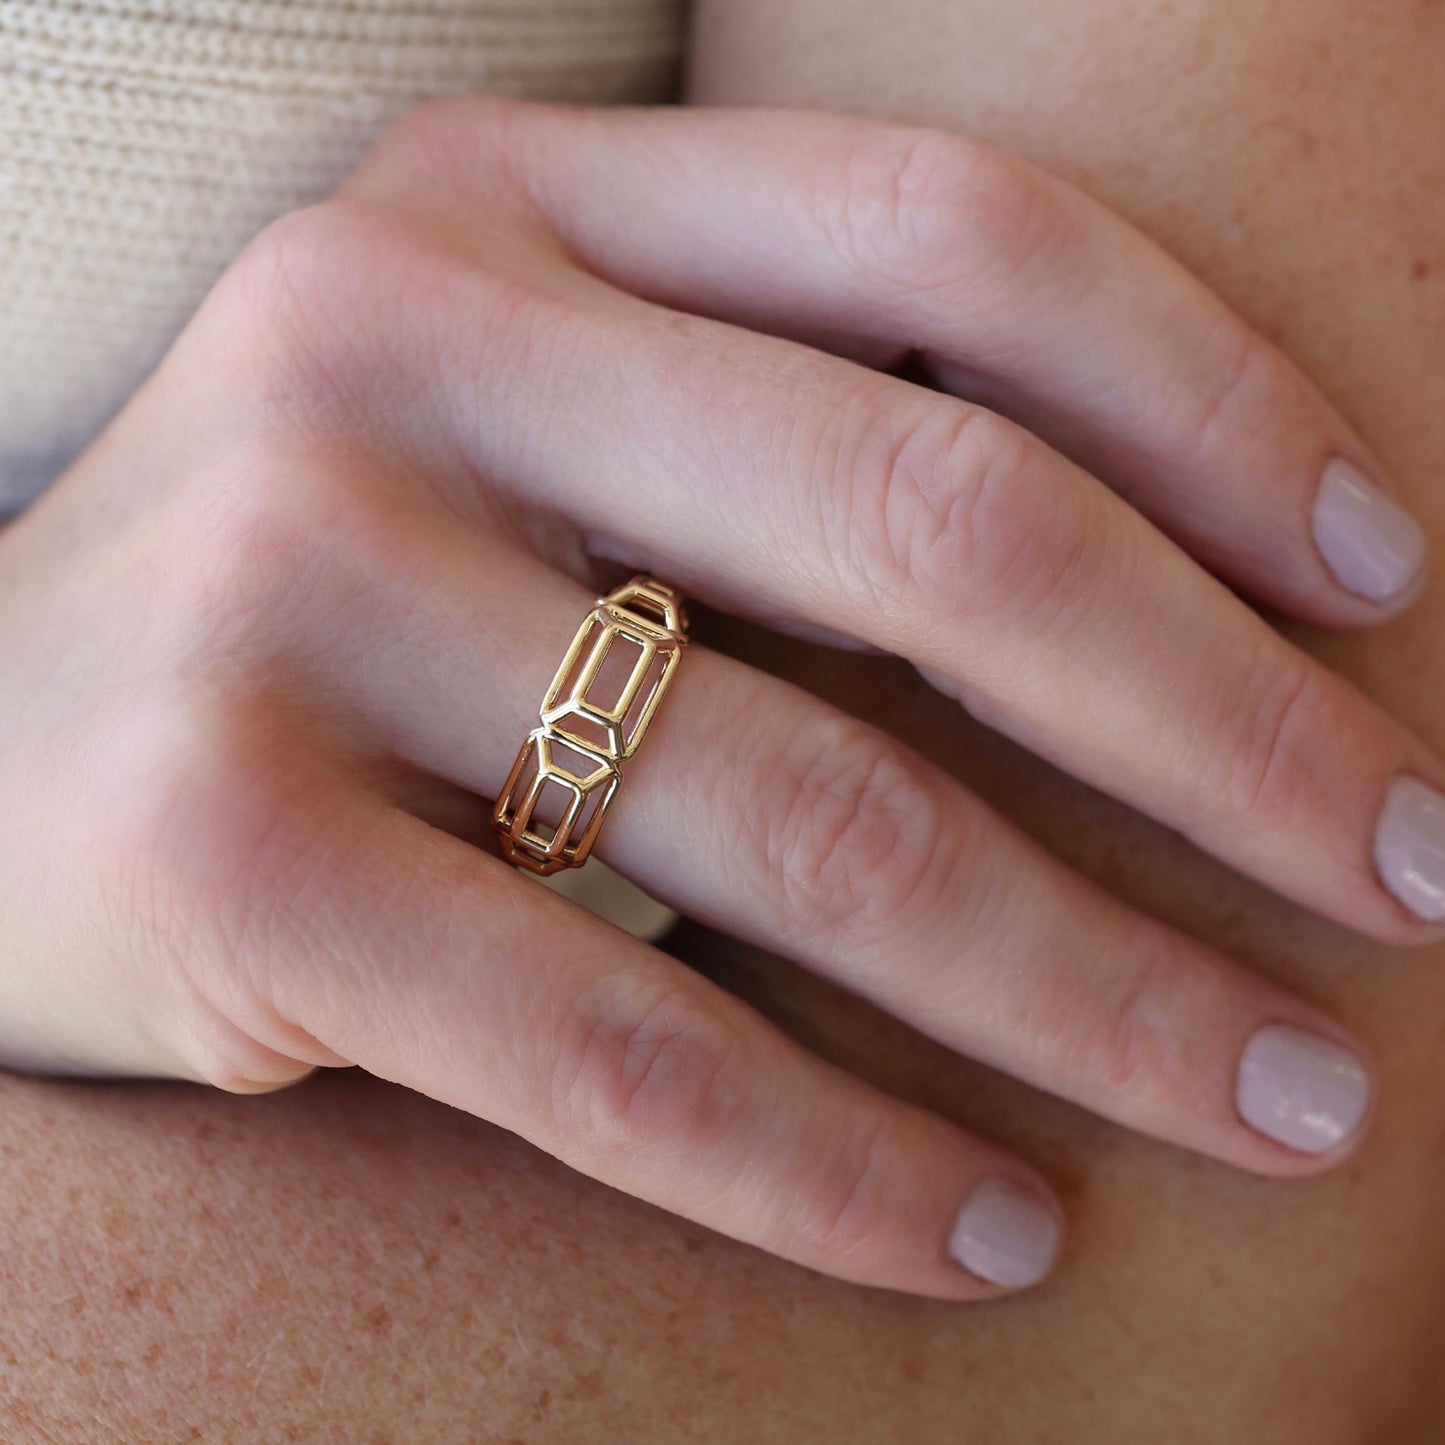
(1410, 848)
(1301, 1090)
(1006, 1235)
(1373, 545)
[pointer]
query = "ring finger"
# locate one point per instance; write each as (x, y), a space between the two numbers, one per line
(759, 809)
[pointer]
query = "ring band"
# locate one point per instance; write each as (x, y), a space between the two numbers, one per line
(600, 704)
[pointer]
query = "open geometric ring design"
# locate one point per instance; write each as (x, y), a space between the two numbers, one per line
(596, 712)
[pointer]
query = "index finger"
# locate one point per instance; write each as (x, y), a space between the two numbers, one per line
(886, 243)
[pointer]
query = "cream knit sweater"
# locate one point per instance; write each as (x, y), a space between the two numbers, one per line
(143, 142)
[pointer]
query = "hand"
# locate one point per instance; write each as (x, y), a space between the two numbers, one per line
(273, 640)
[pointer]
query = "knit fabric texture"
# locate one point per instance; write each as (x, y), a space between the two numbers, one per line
(144, 142)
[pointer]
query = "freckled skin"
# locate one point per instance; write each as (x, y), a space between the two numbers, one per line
(345, 1262)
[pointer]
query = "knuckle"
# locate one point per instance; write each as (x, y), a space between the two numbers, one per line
(936, 478)
(1138, 1041)
(287, 310)
(1158, 1036)
(431, 142)
(1241, 389)
(918, 209)
(647, 1062)
(329, 307)
(1117, 1029)
(274, 539)
(1036, 543)
(203, 827)
(337, 316)
(1289, 710)
(852, 831)
(201, 785)
(940, 516)
(854, 1194)
(911, 488)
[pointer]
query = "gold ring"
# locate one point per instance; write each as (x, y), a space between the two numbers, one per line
(601, 702)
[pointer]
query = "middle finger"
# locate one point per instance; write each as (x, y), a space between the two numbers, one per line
(797, 487)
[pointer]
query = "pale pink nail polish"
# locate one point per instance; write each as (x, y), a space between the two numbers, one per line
(1301, 1090)
(1410, 848)
(1006, 1234)
(1373, 545)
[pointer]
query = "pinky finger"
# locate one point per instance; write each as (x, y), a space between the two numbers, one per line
(436, 967)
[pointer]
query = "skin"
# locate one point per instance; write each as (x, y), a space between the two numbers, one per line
(1314, 1311)
(263, 754)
